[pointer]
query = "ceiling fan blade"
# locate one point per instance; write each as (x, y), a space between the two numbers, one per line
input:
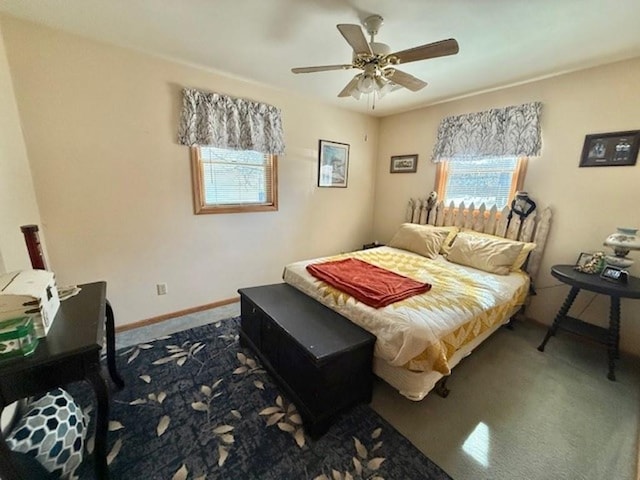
(408, 81)
(322, 68)
(430, 50)
(354, 36)
(346, 91)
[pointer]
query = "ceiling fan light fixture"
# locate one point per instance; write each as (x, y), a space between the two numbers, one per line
(355, 91)
(383, 86)
(366, 84)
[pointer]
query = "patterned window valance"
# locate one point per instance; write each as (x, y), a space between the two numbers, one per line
(226, 122)
(501, 132)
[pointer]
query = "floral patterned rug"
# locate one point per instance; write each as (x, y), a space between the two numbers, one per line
(198, 406)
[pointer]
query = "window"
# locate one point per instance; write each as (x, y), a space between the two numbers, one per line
(233, 181)
(492, 181)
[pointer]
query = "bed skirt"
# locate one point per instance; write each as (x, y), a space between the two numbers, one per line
(416, 385)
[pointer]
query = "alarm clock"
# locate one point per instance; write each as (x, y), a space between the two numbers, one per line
(614, 274)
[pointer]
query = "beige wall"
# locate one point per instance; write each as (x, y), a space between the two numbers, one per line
(587, 203)
(17, 197)
(114, 188)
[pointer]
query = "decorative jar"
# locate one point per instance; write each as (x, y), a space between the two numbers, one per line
(622, 242)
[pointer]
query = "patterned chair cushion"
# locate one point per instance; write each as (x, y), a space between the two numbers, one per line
(52, 431)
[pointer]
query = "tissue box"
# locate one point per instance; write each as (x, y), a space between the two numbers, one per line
(30, 293)
(17, 337)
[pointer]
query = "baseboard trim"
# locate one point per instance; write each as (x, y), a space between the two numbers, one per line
(179, 313)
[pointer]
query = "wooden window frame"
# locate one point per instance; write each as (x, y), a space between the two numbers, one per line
(517, 181)
(201, 207)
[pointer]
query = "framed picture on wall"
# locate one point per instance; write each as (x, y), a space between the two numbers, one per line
(404, 164)
(610, 149)
(333, 164)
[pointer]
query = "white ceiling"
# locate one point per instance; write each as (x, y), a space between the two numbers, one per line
(502, 42)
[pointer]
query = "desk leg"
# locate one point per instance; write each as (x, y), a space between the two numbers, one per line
(614, 335)
(111, 347)
(102, 424)
(562, 313)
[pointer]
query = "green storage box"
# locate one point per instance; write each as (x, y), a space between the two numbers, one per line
(17, 337)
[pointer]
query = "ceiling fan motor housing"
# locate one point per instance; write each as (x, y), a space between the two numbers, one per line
(380, 52)
(380, 48)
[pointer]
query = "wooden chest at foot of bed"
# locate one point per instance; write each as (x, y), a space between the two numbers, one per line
(321, 360)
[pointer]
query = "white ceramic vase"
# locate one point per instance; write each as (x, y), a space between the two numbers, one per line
(622, 241)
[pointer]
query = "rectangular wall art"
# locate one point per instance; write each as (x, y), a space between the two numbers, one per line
(610, 149)
(333, 164)
(404, 164)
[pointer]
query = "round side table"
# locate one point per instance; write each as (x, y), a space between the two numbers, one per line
(594, 283)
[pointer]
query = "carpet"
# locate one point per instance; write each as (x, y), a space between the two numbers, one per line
(198, 406)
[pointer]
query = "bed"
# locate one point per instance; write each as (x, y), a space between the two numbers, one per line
(421, 338)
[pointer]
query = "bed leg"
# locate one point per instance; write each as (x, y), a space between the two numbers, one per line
(512, 320)
(441, 387)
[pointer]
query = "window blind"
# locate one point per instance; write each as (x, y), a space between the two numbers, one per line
(485, 181)
(236, 177)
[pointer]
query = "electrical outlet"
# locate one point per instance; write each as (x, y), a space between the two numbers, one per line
(161, 288)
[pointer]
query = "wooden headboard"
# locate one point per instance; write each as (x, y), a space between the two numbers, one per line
(534, 228)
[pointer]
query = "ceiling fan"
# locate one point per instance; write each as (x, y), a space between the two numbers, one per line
(378, 63)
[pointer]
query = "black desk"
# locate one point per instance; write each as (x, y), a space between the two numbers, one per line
(592, 282)
(70, 352)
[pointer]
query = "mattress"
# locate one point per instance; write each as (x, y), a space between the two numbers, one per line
(422, 333)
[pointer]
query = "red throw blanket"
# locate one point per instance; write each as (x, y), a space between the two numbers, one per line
(372, 285)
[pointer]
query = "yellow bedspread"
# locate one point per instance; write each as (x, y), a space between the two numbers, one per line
(421, 332)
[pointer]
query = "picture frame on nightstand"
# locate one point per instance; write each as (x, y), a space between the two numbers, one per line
(583, 259)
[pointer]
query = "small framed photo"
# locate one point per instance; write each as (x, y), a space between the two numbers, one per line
(333, 164)
(610, 149)
(583, 259)
(590, 262)
(404, 164)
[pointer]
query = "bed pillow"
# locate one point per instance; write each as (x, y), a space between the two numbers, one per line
(527, 248)
(420, 239)
(484, 253)
(451, 235)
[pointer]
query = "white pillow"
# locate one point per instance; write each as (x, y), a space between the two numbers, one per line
(527, 248)
(420, 239)
(451, 235)
(484, 253)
